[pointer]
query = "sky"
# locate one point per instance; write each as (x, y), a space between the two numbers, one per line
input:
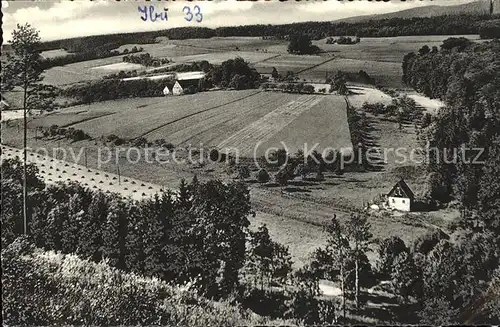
(63, 19)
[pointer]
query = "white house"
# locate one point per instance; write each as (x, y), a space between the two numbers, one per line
(401, 197)
(182, 86)
(166, 90)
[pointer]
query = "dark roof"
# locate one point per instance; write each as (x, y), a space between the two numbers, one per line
(188, 82)
(401, 187)
(169, 84)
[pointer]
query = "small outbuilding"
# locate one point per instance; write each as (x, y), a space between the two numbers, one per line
(166, 90)
(401, 197)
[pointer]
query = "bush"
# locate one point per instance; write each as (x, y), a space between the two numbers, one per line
(140, 142)
(214, 155)
(243, 172)
(69, 133)
(308, 88)
(262, 176)
(425, 243)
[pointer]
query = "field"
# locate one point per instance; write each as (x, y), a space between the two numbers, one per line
(228, 119)
(218, 57)
(386, 73)
(380, 57)
(242, 119)
(385, 49)
(54, 53)
(229, 43)
(287, 62)
(110, 68)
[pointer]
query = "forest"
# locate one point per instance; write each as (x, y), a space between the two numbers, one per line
(466, 76)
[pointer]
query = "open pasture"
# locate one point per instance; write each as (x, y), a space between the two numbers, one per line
(218, 57)
(137, 121)
(54, 53)
(69, 116)
(360, 95)
(386, 73)
(385, 49)
(116, 67)
(284, 63)
(230, 43)
(82, 71)
(166, 49)
(305, 121)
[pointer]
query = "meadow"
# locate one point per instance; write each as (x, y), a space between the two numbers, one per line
(385, 49)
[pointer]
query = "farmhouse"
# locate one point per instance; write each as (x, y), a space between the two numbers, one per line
(185, 86)
(401, 197)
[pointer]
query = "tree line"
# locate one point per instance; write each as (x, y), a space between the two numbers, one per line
(438, 25)
(465, 75)
(145, 59)
(434, 280)
(201, 237)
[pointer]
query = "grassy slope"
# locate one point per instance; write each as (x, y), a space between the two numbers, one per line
(64, 289)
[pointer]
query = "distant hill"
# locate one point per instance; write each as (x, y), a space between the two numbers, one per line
(476, 7)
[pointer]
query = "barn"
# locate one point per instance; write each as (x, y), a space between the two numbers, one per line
(401, 197)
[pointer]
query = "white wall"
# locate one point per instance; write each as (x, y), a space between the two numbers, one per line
(177, 89)
(403, 204)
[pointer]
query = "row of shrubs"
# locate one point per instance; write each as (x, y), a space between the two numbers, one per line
(290, 87)
(145, 59)
(139, 142)
(68, 133)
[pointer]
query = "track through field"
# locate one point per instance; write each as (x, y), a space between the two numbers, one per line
(196, 113)
(264, 128)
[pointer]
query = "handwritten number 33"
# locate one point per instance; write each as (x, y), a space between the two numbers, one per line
(189, 15)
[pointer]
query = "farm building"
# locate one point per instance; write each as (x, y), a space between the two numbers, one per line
(168, 88)
(185, 86)
(401, 197)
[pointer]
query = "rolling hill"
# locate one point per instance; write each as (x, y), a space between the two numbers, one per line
(476, 7)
